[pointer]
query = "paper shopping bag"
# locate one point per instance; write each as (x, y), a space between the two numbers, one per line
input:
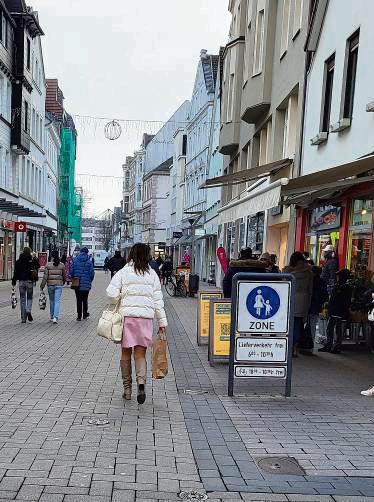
(159, 359)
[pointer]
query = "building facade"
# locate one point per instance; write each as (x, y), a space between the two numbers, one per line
(10, 206)
(333, 193)
(159, 161)
(262, 89)
(69, 197)
(197, 159)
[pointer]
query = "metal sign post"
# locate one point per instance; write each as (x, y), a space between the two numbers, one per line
(261, 334)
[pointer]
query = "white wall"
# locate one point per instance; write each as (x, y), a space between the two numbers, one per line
(343, 18)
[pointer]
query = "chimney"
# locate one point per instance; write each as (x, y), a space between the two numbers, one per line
(203, 53)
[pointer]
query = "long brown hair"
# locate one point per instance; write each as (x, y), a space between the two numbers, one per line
(139, 256)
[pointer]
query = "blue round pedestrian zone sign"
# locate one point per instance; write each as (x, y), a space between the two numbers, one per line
(263, 302)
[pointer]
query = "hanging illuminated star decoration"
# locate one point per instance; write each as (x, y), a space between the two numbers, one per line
(113, 130)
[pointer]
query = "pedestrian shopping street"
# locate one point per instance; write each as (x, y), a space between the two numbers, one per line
(188, 435)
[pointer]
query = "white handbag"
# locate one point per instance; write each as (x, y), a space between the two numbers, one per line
(371, 315)
(111, 323)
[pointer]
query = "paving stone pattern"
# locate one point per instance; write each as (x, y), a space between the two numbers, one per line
(54, 378)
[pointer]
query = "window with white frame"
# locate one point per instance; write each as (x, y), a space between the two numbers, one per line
(259, 42)
(285, 26)
(297, 16)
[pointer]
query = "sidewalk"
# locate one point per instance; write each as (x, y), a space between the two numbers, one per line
(54, 379)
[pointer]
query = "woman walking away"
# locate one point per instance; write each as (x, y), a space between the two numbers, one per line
(54, 277)
(139, 288)
(26, 272)
(303, 274)
(83, 269)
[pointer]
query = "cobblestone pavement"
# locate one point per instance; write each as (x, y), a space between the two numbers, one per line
(53, 379)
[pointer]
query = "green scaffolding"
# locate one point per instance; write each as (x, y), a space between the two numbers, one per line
(70, 200)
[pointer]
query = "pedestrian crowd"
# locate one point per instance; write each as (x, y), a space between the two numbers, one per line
(323, 298)
(135, 287)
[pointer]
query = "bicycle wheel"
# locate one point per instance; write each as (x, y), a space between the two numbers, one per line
(182, 290)
(170, 288)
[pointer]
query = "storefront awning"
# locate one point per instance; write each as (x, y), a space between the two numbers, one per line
(16, 209)
(186, 239)
(247, 174)
(256, 202)
(327, 184)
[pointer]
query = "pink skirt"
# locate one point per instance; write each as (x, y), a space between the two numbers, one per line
(137, 331)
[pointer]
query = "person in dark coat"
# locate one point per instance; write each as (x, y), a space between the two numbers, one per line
(116, 263)
(26, 273)
(270, 265)
(330, 270)
(319, 298)
(245, 263)
(154, 265)
(167, 269)
(338, 308)
(303, 274)
(83, 269)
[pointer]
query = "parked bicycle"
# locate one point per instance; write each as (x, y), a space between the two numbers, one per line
(175, 286)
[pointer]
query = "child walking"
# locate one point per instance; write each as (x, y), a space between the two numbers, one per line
(139, 288)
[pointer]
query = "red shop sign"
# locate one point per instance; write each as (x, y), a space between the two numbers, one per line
(9, 225)
(21, 226)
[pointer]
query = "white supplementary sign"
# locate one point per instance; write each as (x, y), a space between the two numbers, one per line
(258, 372)
(261, 350)
(263, 307)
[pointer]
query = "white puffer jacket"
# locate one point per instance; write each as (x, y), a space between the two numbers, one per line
(141, 294)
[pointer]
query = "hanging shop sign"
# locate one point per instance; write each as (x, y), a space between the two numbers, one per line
(43, 260)
(219, 331)
(21, 226)
(325, 218)
(177, 235)
(9, 225)
(222, 258)
(261, 334)
(203, 312)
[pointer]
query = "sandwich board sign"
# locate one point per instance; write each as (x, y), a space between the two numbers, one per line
(262, 314)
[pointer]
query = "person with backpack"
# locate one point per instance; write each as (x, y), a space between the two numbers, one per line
(82, 275)
(26, 273)
(54, 278)
(138, 287)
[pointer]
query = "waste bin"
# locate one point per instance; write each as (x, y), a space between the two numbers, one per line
(193, 284)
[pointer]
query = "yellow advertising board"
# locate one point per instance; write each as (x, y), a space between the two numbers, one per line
(219, 334)
(203, 314)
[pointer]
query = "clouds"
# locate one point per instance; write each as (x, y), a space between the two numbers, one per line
(132, 59)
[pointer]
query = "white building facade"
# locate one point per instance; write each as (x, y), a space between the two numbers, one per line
(334, 191)
(32, 167)
(197, 159)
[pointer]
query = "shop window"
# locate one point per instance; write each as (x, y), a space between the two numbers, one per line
(323, 232)
(327, 94)
(360, 235)
(255, 232)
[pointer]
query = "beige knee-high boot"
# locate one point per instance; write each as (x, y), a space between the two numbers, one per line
(126, 371)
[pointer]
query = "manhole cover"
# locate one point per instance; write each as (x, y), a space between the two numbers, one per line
(195, 393)
(281, 465)
(193, 495)
(97, 421)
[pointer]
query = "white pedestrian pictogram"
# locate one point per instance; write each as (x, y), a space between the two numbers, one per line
(259, 302)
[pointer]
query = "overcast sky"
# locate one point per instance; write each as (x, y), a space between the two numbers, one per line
(126, 59)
